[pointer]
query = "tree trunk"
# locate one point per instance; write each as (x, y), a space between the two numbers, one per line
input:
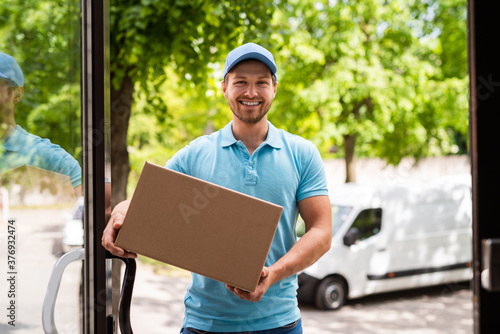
(121, 105)
(349, 144)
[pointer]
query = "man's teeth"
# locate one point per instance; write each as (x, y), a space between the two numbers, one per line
(250, 103)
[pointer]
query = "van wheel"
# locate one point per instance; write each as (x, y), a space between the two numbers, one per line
(331, 294)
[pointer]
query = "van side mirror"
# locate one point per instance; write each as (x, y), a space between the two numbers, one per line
(351, 236)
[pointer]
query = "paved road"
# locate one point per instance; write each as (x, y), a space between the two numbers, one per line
(437, 310)
(38, 234)
(157, 308)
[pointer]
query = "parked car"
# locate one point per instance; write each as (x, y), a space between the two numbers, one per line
(393, 236)
(72, 233)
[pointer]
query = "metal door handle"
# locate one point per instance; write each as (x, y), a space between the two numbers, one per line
(49, 302)
(490, 271)
(126, 294)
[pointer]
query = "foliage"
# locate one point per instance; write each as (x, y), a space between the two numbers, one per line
(382, 71)
(192, 114)
(390, 73)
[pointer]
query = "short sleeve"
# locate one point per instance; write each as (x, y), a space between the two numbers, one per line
(312, 175)
(179, 162)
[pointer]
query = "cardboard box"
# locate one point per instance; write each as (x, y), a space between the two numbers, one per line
(199, 226)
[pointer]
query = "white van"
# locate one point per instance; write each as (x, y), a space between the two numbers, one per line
(393, 236)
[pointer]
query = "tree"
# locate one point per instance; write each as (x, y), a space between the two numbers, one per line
(188, 36)
(370, 75)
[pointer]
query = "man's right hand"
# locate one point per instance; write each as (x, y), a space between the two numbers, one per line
(110, 232)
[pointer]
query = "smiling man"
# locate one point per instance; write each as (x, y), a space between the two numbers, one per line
(252, 156)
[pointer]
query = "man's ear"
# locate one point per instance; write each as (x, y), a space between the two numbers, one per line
(224, 87)
(19, 92)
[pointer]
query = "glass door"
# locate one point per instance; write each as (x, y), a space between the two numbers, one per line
(54, 184)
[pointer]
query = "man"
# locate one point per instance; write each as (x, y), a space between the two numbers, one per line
(18, 147)
(250, 155)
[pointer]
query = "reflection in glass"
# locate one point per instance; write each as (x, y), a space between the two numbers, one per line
(20, 148)
(40, 149)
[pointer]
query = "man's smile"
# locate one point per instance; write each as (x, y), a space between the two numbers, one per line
(250, 103)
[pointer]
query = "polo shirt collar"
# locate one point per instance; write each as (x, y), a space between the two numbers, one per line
(227, 135)
(273, 138)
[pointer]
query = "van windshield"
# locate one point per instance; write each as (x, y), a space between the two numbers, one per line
(339, 215)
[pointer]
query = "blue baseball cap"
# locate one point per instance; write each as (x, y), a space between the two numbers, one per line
(10, 70)
(250, 51)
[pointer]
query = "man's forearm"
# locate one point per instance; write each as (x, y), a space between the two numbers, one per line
(317, 214)
(305, 252)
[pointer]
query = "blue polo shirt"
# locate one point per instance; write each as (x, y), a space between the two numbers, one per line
(283, 170)
(23, 148)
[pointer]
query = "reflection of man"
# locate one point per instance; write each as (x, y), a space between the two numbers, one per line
(19, 147)
(252, 156)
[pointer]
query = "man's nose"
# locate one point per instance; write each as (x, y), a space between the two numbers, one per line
(251, 91)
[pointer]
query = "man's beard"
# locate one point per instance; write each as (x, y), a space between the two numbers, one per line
(250, 118)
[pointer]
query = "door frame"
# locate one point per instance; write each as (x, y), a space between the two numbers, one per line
(484, 76)
(95, 136)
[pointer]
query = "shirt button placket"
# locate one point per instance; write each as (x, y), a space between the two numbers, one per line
(251, 175)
